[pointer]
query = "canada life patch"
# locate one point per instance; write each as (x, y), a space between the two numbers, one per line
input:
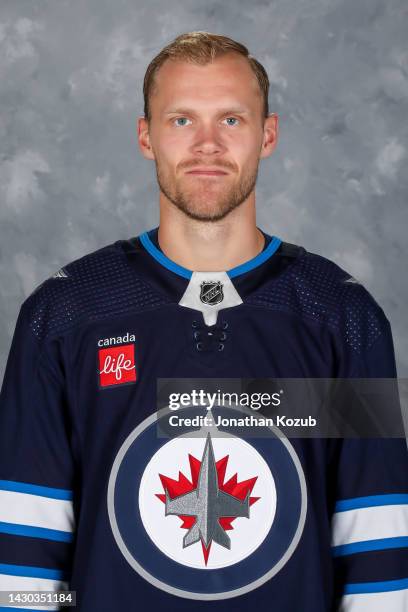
(117, 365)
(206, 517)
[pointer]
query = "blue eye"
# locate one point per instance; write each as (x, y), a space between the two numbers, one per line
(184, 119)
(233, 119)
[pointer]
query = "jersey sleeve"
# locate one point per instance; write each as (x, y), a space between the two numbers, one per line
(37, 523)
(370, 518)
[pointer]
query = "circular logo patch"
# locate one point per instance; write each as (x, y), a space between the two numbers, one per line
(207, 517)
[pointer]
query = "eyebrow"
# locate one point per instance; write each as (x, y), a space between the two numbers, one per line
(191, 111)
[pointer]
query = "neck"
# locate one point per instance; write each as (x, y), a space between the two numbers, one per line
(209, 246)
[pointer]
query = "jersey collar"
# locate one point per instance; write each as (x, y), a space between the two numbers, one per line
(166, 262)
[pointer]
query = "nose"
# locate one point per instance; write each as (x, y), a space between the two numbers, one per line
(208, 140)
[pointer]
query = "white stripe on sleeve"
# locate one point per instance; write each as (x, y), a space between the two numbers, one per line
(363, 524)
(36, 511)
(392, 601)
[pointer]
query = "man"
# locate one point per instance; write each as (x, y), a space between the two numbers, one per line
(92, 496)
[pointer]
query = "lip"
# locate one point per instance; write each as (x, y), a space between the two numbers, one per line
(207, 172)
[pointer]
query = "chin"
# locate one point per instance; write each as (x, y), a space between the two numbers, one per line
(208, 215)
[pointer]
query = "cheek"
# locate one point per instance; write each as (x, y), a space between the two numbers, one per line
(246, 154)
(243, 145)
(171, 149)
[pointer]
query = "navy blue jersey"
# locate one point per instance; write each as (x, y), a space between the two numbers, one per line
(91, 498)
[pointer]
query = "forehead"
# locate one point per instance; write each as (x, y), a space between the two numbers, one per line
(229, 77)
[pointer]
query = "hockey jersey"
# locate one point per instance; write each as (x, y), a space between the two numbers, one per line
(94, 500)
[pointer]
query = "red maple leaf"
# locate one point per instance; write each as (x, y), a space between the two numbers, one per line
(238, 489)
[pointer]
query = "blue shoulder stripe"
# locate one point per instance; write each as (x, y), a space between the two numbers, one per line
(24, 487)
(380, 544)
(376, 587)
(32, 572)
(370, 501)
(36, 532)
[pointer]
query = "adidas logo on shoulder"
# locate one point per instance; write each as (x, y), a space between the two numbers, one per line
(61, 273)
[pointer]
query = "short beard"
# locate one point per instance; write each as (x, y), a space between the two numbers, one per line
(236, 196)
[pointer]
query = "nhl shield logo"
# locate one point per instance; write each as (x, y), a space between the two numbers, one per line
(211, 292)
(209, 517)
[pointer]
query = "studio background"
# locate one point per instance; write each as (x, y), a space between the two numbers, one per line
(72, 178)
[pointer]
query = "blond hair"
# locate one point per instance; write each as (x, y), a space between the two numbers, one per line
(202, 48)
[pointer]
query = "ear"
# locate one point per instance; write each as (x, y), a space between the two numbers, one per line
(144, 138)
(271, 132)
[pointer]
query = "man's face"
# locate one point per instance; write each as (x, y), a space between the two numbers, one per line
(207, 134)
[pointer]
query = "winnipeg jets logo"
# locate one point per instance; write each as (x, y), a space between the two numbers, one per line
(206, 518)
(211, 292)
(208, 506)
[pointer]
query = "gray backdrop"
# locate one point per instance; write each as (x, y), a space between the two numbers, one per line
(72, 178)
